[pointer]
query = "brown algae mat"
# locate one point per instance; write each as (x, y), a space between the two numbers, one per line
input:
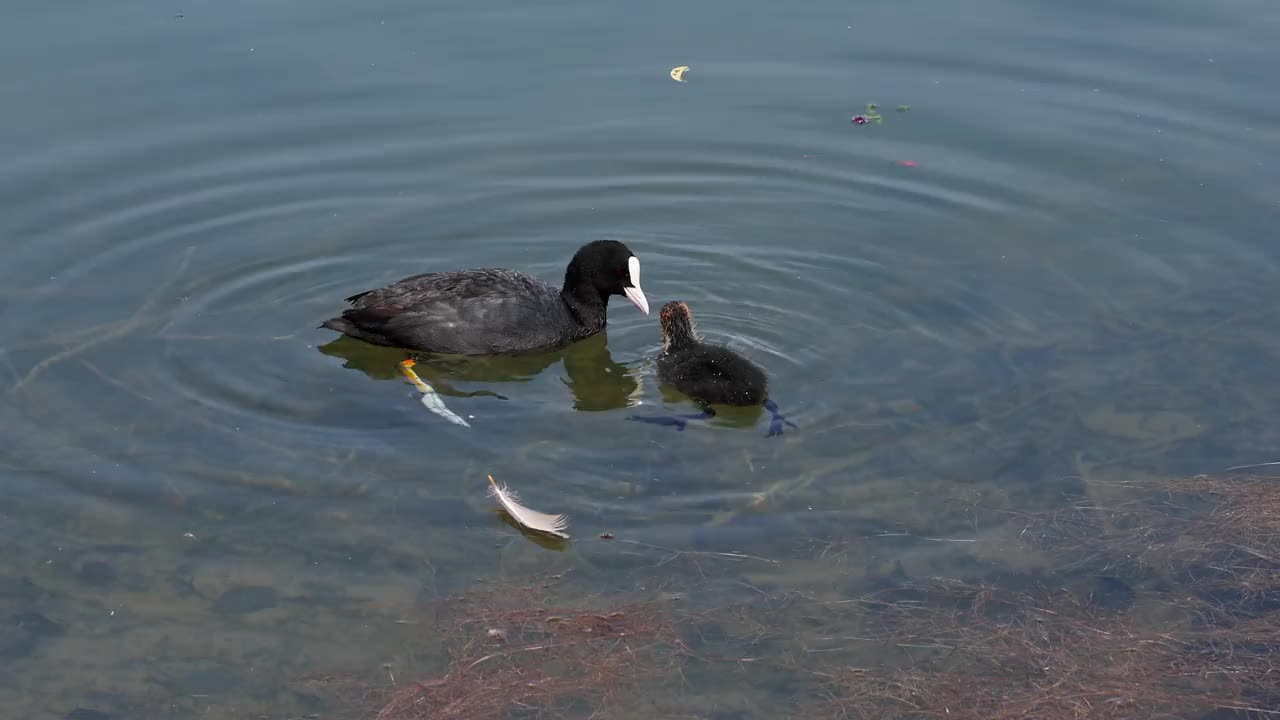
(1197, 638)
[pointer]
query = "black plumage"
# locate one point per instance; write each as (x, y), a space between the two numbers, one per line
(709, 374)
(492, 311)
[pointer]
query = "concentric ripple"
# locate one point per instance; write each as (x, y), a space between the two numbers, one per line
(1054, 251)
(172, 247)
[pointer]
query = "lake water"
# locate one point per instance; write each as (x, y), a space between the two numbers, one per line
(1058, 263)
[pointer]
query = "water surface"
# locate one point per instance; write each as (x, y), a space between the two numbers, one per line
(1059, 262)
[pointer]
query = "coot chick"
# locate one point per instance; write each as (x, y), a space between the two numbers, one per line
(709, 374)
(492, 311)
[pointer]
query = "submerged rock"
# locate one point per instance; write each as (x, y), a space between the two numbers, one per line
(21, 633)
(87, 714)
(245, 599)
(1109, 593)
(207, 681)
(19, 589)
(97, 573)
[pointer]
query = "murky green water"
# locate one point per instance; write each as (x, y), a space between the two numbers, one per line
(202, 496)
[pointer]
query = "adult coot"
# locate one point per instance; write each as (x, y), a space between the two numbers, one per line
(709, 374)
(490, 311)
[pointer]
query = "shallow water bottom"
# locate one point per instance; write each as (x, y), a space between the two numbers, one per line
(197, 627)
(186, 608)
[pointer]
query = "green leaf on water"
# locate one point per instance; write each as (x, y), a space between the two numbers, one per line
(903, 108)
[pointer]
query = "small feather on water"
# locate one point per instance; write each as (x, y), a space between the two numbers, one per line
(525, 517)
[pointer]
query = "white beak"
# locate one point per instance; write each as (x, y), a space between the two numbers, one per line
(634, 293)
(637, 298)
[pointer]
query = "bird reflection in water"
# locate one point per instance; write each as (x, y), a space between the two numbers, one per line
(596, 382)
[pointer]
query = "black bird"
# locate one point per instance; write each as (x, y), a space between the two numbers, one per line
(493, 311)
(709, 374)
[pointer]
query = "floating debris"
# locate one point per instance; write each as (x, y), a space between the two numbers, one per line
(677, 73)
(526, 517)
(430, 398)
(872, 115)
(907, 163)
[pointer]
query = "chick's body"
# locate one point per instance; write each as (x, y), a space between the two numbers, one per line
(711, 374)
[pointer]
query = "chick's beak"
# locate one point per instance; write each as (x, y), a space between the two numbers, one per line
(637, 298)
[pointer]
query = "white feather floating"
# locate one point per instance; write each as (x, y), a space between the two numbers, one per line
(526, 518)
(430, 398)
